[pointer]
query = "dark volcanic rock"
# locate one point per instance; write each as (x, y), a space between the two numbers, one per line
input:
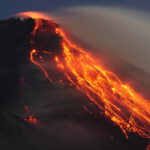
(13, 53)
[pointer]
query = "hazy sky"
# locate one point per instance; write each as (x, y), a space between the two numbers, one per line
(9, 7)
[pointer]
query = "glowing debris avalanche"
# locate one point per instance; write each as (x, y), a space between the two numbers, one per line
(119, 102)
(126, 108)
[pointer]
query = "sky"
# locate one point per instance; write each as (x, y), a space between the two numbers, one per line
(10, 7)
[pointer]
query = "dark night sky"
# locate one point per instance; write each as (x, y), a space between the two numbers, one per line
(9, 7)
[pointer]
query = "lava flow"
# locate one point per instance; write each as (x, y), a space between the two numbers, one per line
(119, 102)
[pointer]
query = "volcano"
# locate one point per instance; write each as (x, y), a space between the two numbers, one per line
(31, 52)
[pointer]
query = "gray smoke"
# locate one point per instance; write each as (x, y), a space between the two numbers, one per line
(122, 32)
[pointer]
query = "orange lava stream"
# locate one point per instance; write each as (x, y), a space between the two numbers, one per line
(120, 102)
(34, 53)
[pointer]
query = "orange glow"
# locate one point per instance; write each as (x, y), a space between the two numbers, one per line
(30, 118)
(119, 102)
(33, 14)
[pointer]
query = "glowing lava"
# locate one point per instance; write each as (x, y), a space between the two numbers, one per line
(120, 102)
(30, 117)
(33, 14)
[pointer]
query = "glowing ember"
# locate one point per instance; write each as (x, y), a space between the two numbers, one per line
(30, 117)
(33, 53)
(33, 14)
(121, 103)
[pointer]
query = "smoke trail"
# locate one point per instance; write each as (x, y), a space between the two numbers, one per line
(122, 32)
